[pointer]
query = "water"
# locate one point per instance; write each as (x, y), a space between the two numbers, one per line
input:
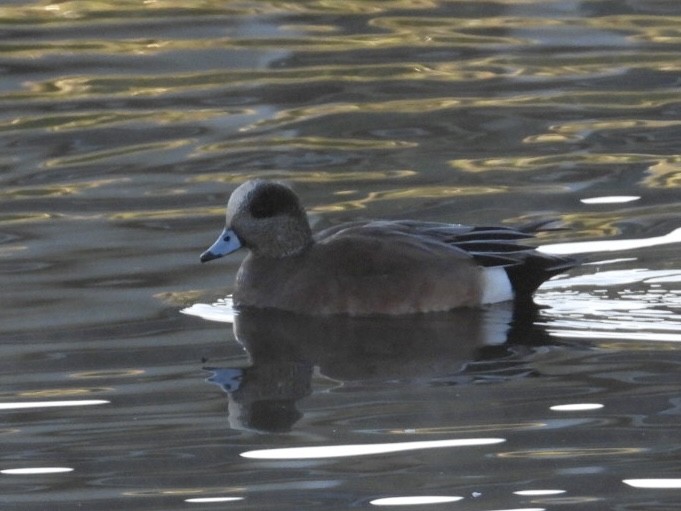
(124, 125)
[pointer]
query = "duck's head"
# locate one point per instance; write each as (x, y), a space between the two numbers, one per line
(267, 218)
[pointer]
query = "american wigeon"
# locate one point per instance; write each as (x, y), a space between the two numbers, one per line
(371, 267)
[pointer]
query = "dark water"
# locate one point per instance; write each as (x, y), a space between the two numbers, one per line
(123, 127)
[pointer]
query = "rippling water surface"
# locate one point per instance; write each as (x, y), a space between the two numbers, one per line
(123, 127)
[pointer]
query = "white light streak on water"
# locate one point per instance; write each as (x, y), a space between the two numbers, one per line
(337, 451)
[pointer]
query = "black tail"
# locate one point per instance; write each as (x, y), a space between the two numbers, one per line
(534, 269)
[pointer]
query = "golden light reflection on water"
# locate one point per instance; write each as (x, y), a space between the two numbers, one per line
(463, 31)
(144, 214)
(93, 119)
(37, 50)
(70, 88)
(589, 224)
(424, 192)
(82, 87)
(588, 126)
(576, 65)
(56, 12)
(316, 143)
(664, 174)
(302, 176)
(662, 171)
(85, 158)
(602, 101)
(401, 30)
(284, 117)
(528, 163)
(55, 190)
(642, 28)
(24, 218)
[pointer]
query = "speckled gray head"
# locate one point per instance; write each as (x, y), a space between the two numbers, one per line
(264, 216)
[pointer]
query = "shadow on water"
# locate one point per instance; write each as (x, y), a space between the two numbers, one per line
(286, 350)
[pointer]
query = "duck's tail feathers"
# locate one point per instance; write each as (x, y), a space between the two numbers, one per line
(535, 268)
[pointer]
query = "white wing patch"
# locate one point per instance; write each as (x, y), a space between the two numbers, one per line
(496, 286)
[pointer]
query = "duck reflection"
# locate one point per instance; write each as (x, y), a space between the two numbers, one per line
(286, 349)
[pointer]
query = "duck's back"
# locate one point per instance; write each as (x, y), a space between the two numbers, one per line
(492, 247)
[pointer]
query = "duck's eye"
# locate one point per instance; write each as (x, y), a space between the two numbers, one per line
(227, 238)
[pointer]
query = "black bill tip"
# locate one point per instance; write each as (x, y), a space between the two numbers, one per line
(209, 256)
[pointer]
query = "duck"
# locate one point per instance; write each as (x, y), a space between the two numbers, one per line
(371, 267)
